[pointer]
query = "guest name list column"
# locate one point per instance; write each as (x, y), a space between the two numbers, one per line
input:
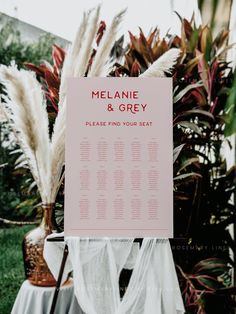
(119, 179)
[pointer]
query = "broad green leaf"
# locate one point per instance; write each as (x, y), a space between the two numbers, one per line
(187, 163)
(230, 111)
(191, 125)
(187, 176)
(195, 112)
(177, 151)
(215, 266)
(186, 90)
(208, 282)
(203, 69)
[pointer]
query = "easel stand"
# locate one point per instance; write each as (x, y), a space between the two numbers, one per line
(62, 267)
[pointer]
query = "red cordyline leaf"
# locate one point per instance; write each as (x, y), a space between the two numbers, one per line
(117, 73)
(146, 49)
(52, 101)
(151, 37)
(212, 77)
(53, 92)
(203, 69)
(187, 28)
(50, 76)
(101, 29)
(192, 295)
(209, 262)
(185, 289)
(199, 97)
(100, 33)
(134, 41)
(176, 41)
(40, 70)
(214, 106)
(135, 70)
(142, 37)
(58, 56)
(206, 282)
(51, 79)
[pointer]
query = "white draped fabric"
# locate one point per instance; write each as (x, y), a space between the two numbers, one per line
(97, 263)
(38, 300)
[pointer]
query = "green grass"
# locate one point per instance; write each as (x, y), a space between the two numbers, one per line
(11, 265)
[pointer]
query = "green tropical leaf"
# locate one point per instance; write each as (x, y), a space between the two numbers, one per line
(230, 111)
(215, 266)
(186, 90)
(187, 176)
(177, 151)
(194, 113)
(192, 126)
(187, 163)
(208, 282)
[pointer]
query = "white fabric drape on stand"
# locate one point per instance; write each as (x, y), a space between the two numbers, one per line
(96, 268)
(53, 254)
(97, 264)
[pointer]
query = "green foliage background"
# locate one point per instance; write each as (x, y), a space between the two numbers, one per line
(11, 265)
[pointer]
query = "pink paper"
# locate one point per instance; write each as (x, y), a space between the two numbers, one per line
(119, 157)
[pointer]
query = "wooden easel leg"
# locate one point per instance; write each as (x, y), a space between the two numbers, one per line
(57, 289)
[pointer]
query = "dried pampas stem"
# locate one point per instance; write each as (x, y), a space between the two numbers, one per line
(26, 108)
(3, 113)
(162, 65)
(72, 56)
(84, 58)
(58, 150)
(80, 36)
(99, 63)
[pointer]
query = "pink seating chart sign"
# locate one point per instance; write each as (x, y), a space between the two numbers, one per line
(119, 158)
